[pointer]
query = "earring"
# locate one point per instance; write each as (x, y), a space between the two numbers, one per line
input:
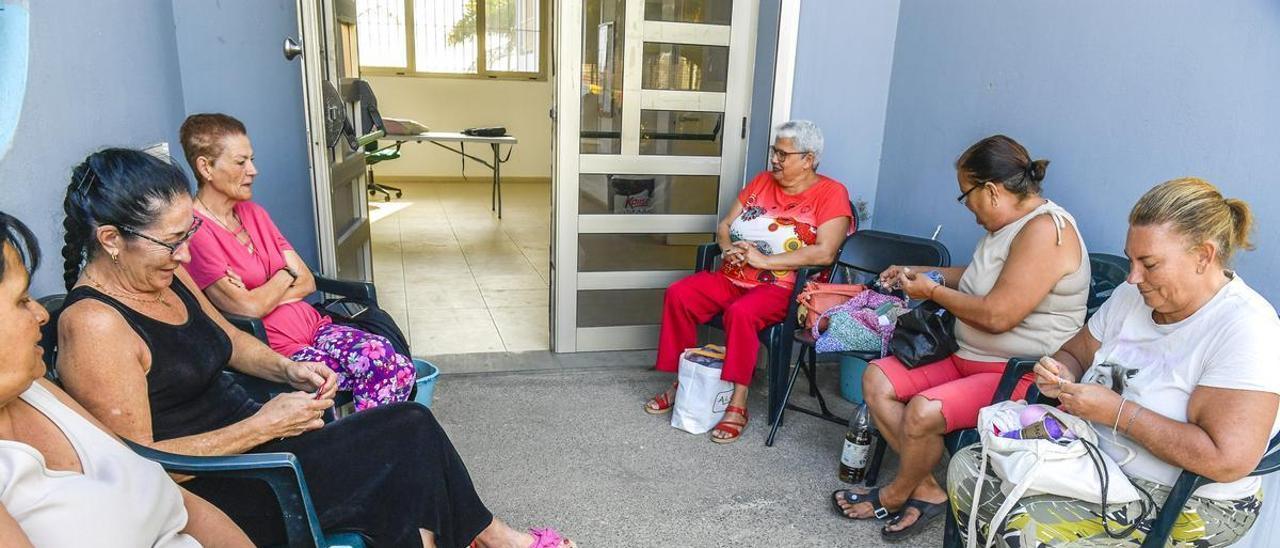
(1200, 269)
(115, 259)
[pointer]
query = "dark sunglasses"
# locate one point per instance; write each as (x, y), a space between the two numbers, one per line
(172, 247)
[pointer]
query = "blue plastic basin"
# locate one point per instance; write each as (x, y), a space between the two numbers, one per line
(427, 375)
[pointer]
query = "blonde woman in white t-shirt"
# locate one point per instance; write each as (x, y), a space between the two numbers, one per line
(64, 481)
(1178, 370)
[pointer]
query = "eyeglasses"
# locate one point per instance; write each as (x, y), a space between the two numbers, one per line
(961, 197)
(172, 247)
(781, 155)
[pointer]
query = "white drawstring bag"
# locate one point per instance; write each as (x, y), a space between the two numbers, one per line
(702, 396)
(1075, 469)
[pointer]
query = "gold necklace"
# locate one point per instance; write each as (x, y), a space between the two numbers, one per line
(234, 233)
(159, 298)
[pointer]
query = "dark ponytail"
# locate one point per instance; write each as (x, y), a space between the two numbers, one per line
(999, 158)
(119, 187)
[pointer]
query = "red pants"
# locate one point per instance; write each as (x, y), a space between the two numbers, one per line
(695, 299)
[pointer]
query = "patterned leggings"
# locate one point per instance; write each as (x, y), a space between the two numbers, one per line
(366, 364)
(1048, 520)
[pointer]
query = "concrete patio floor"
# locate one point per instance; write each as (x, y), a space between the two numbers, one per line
(570, 447)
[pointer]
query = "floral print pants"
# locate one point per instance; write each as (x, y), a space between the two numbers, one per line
(367, 365)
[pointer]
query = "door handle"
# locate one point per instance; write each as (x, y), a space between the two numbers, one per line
(291, 49)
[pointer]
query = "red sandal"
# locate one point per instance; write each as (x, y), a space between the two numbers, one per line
(733, 428)
(663, 401)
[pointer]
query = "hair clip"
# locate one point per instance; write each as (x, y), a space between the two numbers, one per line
(82, 186)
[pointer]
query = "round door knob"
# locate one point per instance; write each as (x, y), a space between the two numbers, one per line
(291, 49)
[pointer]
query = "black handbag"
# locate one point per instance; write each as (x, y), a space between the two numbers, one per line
(924, 335)
(370, 318)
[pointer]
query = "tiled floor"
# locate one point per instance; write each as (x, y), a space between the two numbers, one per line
(460, 279)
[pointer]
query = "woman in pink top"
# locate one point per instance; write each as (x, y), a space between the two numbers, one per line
(245, 266)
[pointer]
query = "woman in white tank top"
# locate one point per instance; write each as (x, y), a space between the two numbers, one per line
(63, 480)
(1022, 294)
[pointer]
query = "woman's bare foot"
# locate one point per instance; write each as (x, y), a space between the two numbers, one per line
(501, 535)
(662, 402)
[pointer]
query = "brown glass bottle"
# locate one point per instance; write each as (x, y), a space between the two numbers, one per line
(857, 447)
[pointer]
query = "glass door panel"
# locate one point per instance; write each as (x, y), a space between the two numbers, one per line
(655, 94)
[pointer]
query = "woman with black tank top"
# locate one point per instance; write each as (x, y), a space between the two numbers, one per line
(145, 353)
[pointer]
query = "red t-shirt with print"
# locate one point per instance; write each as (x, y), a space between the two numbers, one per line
(777, 222)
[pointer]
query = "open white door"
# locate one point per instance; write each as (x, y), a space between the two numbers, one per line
(652, 100)
(330, 63)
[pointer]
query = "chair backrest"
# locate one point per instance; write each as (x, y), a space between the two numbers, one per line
(49, 333)
(869, 252)
(1108, 272)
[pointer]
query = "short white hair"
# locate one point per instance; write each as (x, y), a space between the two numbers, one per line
(804, 135)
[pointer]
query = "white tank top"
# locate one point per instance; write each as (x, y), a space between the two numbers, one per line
(1052, 322)
(121, 499)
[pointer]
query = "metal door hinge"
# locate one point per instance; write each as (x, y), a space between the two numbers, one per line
(744, 127)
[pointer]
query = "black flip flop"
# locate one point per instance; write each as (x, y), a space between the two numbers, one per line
(872, 496)
(928, 512)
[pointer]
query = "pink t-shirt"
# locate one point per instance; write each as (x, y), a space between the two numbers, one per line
(214, 250)
(777, 222)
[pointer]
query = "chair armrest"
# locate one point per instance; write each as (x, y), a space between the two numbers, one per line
(360, 291)
(707, 254)
(1013, 372)
(248, 324)
(281, 471)
(1187, 484)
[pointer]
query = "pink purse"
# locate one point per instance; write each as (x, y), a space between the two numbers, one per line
(818, 297)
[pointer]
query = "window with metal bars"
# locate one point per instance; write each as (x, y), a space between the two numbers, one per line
(477, 38)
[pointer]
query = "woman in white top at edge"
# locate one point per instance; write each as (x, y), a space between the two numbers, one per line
(1177, 370)
(64, 481)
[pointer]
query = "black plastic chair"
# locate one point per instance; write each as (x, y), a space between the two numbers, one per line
(1178, 496)
(263, 390)
(862, 258)
(1107, 272)
(774, 336)
(361, 291)
(281, 471)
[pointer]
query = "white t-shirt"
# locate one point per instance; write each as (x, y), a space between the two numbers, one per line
(1228, 343)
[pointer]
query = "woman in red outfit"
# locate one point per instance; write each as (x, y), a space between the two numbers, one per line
(786, 218)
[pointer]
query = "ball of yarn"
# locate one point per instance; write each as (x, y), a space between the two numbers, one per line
(1032, 414)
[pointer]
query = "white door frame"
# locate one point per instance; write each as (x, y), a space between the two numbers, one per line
(569, 163)
(784, 71)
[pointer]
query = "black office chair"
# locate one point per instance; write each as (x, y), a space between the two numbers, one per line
(372, 153)
(862, 258)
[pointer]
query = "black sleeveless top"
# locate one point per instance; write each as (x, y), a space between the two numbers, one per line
(186, 386)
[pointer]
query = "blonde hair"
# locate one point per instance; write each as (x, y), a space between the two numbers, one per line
(1196, 209)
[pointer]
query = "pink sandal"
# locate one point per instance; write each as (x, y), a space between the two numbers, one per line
(549, 538)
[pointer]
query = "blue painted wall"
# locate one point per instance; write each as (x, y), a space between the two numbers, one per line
(844, 57)
(126, 73)
(102, 73)
(1119, 95)
(230, 61)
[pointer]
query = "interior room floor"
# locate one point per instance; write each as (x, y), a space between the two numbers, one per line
(461, 280)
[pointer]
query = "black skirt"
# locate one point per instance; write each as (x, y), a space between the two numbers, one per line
(385, 473)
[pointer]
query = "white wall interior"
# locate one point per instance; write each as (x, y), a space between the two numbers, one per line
(453, 104)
